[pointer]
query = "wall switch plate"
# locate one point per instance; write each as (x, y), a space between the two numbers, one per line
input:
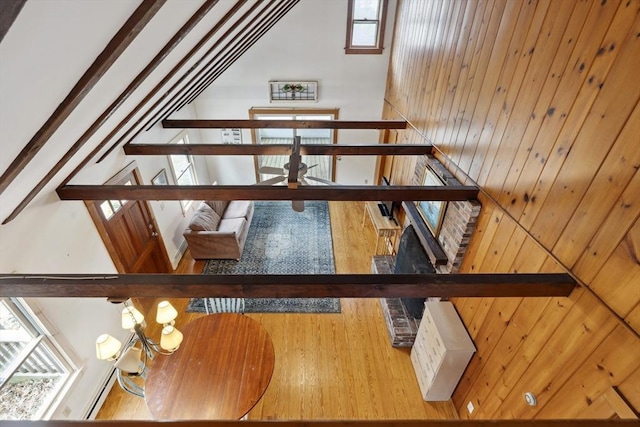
(470, 407)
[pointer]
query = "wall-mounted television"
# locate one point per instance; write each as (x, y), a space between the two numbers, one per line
(387, 206)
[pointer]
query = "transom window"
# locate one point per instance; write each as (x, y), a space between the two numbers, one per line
(365, 26)
(110, 207)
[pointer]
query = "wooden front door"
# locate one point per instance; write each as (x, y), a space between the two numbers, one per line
(129, 230)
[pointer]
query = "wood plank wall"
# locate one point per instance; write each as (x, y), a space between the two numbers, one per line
(537, 103)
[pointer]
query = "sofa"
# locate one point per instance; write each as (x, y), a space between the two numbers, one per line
(218, 229)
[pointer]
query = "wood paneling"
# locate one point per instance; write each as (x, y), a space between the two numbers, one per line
(537, 102)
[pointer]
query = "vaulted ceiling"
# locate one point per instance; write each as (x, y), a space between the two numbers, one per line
(164, 55)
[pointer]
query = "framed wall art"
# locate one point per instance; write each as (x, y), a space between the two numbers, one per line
(160, 178)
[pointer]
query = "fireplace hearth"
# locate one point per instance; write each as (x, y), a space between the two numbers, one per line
(412, 259)
(402, 316)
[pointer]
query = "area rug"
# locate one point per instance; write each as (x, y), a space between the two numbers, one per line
(282, 241)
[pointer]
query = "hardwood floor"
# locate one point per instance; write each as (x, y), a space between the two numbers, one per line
(329, 366)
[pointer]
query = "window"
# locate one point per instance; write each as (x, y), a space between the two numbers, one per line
(183, 169)
(365, 26)
(33, 369)
(110, 207)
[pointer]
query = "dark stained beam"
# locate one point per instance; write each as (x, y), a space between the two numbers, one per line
(9, 11)
(128, 120)
(288, 285)
(118, 44)
(285, 124)
(277, 149)
(325, 423)
(254, 192)
(248, 40)
(100, 121)
(232, 50)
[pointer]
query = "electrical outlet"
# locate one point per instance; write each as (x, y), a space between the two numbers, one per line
(366, 181)
(470, 407)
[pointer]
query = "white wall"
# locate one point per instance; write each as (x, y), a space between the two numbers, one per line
(307, 44)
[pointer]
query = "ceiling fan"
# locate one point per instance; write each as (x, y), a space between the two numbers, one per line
(287, 173)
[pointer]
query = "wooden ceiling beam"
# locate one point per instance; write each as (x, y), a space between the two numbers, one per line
(118, 44)
(277, 149)
(111, 109)
(285, 124)
(219, 49)
(134, 128)
(288, 285)
(254, 192)
(233, 50)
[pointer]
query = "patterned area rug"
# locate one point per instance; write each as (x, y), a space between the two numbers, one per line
(282, 241)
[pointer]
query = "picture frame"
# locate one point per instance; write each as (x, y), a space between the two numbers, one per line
(432, 211)
(160, 178)
(293, 91)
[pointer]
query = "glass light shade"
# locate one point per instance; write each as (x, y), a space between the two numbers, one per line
(130, 317)
(170, 338)
(107, 347)
(166, 313)
(130, 360)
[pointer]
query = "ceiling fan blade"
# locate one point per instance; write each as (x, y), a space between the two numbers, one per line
(271, 170)
(312, 166)
(302, 181)
(272, 181)
(297, 205)
(324, 181)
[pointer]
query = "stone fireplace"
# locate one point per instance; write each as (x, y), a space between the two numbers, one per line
(453, 239)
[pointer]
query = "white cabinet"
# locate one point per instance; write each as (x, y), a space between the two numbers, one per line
(441, 352)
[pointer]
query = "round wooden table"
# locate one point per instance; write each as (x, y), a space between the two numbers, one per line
(220, 371)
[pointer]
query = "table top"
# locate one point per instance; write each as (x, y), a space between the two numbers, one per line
(220, 371)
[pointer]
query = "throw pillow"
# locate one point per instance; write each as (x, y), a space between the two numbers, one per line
(218, 205)
(205, 219)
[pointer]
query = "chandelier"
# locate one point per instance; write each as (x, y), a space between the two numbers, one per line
(132, 360)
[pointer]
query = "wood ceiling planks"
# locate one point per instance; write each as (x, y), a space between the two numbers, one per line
(527, 110)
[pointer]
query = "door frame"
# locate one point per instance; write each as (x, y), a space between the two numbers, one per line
(99, 220)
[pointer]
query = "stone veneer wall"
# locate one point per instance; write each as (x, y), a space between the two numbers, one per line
(457, 227)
